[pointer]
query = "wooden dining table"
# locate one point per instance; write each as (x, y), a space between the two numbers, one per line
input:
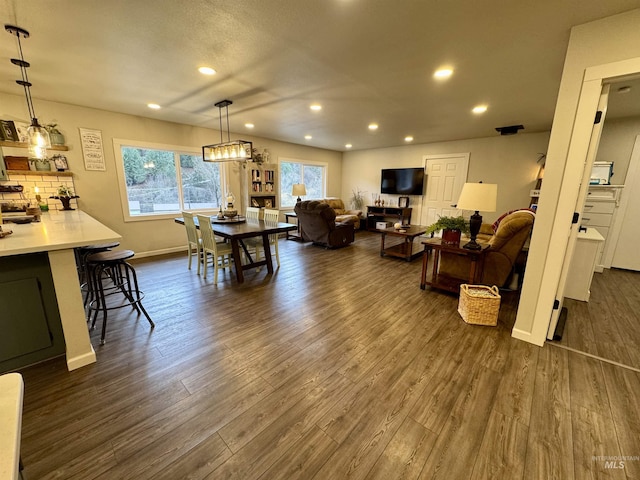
(236, 232)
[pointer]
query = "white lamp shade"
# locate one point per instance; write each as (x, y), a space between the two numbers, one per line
(298, 190)
(480, 197)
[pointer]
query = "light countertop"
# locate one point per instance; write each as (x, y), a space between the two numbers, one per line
(11, 393)
(57, 230)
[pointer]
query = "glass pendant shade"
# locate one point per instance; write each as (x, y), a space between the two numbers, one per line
(38, 141)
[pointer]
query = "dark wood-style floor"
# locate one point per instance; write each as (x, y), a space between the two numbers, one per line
(338, 366)
(608, 326)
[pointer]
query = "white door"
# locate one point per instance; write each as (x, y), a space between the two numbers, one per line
(446, 175)
(582, 196)
(626, 254)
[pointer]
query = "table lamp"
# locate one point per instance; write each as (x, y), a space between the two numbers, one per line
(299, 190)
(477, 197)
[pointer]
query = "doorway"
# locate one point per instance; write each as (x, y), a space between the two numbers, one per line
(608, 325)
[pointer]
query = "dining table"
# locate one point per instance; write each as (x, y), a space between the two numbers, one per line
(239, 230)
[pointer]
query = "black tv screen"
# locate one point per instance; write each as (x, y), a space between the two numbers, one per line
(402, 181)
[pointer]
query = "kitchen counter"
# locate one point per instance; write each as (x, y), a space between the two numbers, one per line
(51, 242)
(58, 230)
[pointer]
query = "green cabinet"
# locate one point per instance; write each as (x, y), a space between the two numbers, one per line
(30, 325)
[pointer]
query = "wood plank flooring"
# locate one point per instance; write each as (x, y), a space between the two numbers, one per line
(335, 367)
(608, 326)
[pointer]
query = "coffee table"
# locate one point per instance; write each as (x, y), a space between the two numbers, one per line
(406, 249)
(444, 282)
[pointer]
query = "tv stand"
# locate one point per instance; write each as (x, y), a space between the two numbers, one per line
(387, 214)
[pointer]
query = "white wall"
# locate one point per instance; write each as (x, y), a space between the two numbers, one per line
(616, 145)
(509, 161)
(595, 44)
(99, 191)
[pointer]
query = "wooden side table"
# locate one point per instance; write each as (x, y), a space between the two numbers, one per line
(445, 282)
(405, 249)
(293, 236)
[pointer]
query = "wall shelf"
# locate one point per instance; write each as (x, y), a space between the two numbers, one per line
(5, 143)
(52, 173)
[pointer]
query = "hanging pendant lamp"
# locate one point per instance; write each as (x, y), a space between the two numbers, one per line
(230, 150)
(38, 136)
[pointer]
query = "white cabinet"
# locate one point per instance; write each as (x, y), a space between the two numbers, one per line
(599, 212)
(583, 264)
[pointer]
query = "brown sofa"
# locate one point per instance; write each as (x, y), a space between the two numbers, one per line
(505, 246)
(343, 215)
(317, 222)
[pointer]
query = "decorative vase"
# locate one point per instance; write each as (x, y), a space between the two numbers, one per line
(66, 203)
(56, 138)
(451, 236)
(41, 165)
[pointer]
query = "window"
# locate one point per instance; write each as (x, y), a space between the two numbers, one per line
(312, 175)
(165, 181)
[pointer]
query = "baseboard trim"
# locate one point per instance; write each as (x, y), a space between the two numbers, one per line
(525, 337)
(81, 360)
(164, 251)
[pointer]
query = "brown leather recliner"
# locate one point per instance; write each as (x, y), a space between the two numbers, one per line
(505, 246)
(317, 222)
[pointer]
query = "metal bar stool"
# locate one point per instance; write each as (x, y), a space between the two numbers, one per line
(109, 275)
(81, 261)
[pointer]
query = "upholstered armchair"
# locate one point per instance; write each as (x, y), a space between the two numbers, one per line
(505, 245)
(342, 214)
(317, 222)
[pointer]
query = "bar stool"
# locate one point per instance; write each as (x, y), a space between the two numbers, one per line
(81, 262)
(109, 275)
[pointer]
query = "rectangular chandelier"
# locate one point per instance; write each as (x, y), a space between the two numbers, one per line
(227, 151)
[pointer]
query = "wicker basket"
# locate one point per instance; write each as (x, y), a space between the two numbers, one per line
(479, 305)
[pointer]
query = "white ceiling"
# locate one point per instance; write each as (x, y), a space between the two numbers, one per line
(363, 60)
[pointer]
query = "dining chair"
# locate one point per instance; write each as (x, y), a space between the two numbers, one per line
(193, 239)
(220, 251)
(255, 244)
(271, 218)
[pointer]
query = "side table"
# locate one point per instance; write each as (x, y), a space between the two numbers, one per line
(293, 236)
(445, 282)
(405, 249)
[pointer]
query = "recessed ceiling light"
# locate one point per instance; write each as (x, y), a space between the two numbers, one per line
(316, 107)
(308, 137)
(479, 109)
(373, 126)
(207, 71)
(408, 138)
(348, 145)
(153, 106)
(443, 73)
(249, 125)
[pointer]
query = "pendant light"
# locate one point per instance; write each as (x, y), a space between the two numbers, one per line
(38, 136)
(226, 151)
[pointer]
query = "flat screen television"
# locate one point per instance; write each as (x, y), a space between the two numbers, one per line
(402, 181)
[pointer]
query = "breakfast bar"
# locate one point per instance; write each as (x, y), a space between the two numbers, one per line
(43, 312)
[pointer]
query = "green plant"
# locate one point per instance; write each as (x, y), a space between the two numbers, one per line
(64, 191)
(451, 223)
(357, 199)
(51, 128)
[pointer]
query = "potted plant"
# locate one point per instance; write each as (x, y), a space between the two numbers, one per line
(452, 228)
(55, 136)
(65, 194)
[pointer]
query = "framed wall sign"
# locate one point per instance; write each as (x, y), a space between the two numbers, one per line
(92, 151)
(403, 202)
(60, 161)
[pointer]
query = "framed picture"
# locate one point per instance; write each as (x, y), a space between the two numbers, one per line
(403, 202)
(9, 131)
(268, 203)
(60, 161)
